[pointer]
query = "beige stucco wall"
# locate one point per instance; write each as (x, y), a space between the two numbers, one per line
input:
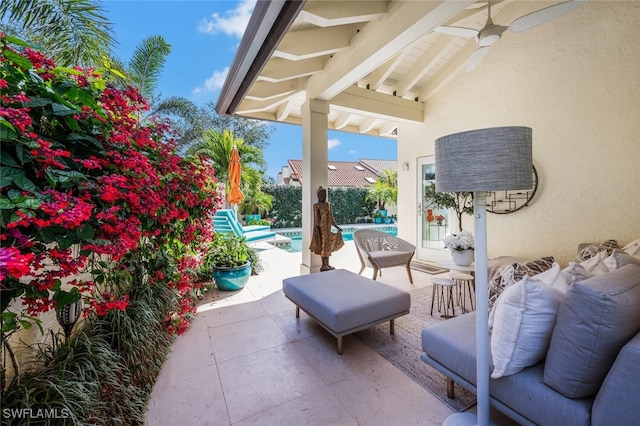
(576, 82)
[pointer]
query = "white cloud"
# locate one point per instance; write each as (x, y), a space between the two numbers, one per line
(233, 22)
(352, 151)
(332, 143)
(214, 82)
(217, 79)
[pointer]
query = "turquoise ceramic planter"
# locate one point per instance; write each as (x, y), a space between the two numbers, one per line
(251, 217)
(231, 279)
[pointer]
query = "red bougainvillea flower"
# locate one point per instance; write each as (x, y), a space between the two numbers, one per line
(13, 263)
(89, 189)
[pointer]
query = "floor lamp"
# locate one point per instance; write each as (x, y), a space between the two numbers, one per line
(477, 161)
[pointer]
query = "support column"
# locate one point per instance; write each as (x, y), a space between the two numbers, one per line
(315, 123)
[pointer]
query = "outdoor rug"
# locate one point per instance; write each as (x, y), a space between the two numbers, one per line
(403, 349)
(429, 269)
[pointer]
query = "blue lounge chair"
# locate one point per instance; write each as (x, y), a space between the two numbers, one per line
(225, 221)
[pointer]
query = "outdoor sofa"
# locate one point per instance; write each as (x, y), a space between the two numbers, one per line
(589, 372)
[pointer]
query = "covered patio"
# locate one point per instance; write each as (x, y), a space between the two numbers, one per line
(383, 68)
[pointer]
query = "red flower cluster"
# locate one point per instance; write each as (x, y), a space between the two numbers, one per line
(110, 302)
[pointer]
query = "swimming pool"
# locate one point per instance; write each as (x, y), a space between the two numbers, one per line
(347, 234)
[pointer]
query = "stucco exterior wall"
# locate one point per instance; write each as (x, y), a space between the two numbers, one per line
(576, 82)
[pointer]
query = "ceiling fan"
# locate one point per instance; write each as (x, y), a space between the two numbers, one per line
(491, 33)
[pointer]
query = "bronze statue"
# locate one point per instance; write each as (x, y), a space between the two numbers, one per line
(323, 241)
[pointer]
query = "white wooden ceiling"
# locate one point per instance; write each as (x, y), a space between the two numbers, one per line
(376, 62)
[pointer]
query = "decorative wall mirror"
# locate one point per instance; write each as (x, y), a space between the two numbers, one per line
(504, 202)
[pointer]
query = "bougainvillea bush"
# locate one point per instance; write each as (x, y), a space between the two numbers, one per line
(93, 202)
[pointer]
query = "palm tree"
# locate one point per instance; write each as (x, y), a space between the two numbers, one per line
(385, 189)
(217, 147)
(71, 32)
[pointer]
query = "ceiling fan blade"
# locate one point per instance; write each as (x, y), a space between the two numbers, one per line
(475, 58)
(457, 31)
(547, 14)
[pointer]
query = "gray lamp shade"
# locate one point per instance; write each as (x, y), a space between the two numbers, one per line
(493, 159)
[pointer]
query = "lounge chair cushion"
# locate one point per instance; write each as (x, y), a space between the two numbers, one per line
(386, 258)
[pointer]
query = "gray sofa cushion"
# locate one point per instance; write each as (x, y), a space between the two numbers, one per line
(617, 402)
(452, 344)
(597, 317)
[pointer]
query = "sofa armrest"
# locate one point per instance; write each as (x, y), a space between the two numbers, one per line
(617, 400)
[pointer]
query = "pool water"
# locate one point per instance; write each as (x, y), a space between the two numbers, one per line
(347, 235)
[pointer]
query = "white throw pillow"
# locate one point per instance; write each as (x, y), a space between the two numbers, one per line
(552, 277)
(575, 273)
(633, 248)
(619, 258)
(595, 265)
(525, 315)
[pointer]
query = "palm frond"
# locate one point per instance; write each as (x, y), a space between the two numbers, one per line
(147, 63)
(72, 32)
(177, 106)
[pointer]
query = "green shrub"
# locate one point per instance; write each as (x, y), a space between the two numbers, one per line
(350, 205)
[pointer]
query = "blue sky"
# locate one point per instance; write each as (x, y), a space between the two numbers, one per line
(204, 36)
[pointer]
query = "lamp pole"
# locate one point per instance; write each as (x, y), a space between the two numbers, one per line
(482, 307)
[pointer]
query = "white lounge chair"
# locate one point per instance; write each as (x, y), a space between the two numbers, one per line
(379, 250)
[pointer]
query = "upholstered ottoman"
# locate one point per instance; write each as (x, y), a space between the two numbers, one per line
(343, 302)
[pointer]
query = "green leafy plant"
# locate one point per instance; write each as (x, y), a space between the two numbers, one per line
(350, 205)
(226, 251)
(256, 202)
(259, 222)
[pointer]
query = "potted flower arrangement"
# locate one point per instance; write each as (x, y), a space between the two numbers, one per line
(461, 246)
(229, 261)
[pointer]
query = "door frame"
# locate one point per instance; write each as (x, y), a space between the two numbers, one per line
(429, 248)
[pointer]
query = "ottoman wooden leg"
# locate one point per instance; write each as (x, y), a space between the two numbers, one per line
(297, 311)
(392, 327)
(450, 390)
(340, 345)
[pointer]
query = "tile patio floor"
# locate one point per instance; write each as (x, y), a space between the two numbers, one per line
(247, 360)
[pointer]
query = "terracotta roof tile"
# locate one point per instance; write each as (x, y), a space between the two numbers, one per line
(347, 173)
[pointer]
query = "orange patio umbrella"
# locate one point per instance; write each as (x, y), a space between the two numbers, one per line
(235, 195)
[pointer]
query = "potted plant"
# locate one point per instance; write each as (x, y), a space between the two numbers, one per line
(461, 245)
(254, 204)
(228, 260)
(377, 216)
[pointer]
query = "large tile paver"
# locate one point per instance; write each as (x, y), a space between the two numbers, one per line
(247, 360)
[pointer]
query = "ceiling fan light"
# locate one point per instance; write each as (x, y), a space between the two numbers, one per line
(488, 40)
